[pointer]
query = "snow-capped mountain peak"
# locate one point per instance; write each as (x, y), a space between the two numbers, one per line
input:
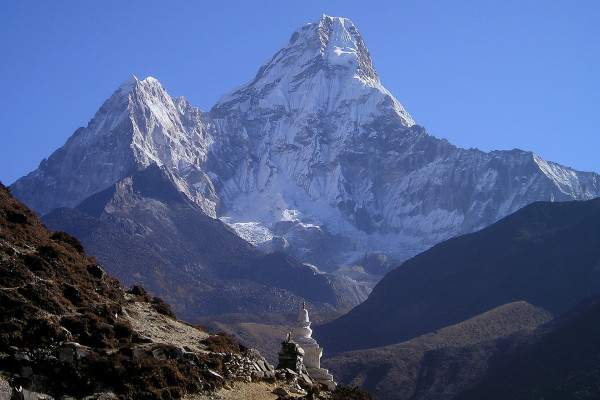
(118, 108)
(313, 155)
(324, 66)
(342, 45)
(128, 85)
(139, 125)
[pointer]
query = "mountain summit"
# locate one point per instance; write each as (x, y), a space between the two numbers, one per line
(313, 156)
(323, 66)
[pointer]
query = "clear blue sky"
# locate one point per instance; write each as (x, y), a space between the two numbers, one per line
(485, 74)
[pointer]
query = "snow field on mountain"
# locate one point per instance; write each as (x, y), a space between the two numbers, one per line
(313, 149)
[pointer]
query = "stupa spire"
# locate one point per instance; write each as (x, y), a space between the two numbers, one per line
(302, 335)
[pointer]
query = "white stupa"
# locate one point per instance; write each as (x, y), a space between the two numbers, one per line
(312, 352)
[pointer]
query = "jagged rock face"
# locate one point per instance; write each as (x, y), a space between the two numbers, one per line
(313, 156)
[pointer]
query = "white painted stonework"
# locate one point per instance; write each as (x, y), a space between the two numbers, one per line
(312, 352)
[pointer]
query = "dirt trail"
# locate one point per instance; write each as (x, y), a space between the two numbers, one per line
(162, 329)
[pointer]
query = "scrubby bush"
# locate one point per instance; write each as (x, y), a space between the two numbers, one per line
(63, 237)
(162, 308)
(350, 393)
(142, 378)
(140, 294)
(224, 343)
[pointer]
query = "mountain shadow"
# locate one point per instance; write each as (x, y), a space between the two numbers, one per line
(546, 254)
(563, 363)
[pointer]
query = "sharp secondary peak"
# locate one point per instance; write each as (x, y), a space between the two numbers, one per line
(133, 81)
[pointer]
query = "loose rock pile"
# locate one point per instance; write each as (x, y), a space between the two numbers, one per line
(251, 367)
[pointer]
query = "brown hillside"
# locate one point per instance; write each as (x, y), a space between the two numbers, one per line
(51, 291)
(69, 330)
(66, 325)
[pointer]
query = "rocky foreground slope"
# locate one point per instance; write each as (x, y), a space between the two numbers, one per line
(68, 330)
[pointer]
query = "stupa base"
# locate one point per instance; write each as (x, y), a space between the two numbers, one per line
(322, 376)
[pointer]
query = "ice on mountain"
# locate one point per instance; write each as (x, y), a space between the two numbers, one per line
(313, 152)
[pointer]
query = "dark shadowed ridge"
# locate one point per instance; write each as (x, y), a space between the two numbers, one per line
(546, 254)
(440, 364)
(563, 363)
(145, 231)
(512, 352)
